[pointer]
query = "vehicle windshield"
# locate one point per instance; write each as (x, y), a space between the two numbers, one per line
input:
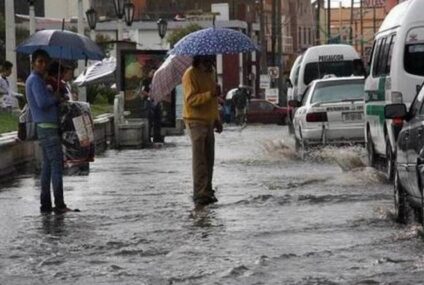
(316, 70)
(414, 59)
(338, 91)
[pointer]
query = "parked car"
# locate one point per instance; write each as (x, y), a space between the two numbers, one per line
(331, 111)
(263, 111)
(409, 157)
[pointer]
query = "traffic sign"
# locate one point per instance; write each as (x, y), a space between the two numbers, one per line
(274, 72)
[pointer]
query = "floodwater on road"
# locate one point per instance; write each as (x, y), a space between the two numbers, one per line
(279, 220)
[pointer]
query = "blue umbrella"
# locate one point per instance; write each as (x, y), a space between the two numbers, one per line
(212, 41)
(62, 44)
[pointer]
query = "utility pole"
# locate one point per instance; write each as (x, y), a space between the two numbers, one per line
(362, 28)
(280, 61)
(351, 22)
(264, 47)
(374, 12)
(82, 91)
(32, 25)
(10, 27)
(329, 21)
(318, 23)
(273, 31)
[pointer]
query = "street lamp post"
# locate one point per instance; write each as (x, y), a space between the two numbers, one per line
(123, 8)
(31, 15)
(10, 33)
(91, 15)
(162, 27)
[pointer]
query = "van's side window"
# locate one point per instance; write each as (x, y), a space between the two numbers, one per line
(414, 59)
(371, 54)
(384, 54)
(296, 76)
(376, 57)
(389, 56)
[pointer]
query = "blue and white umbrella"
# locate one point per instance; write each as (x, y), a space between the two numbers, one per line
(62, 45)
(212, 41)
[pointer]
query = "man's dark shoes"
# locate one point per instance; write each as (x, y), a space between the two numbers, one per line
(46, 210)
(203, 201)
(62, 210)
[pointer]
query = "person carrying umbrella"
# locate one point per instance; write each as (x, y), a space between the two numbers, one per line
(44, 106)
(201, 117)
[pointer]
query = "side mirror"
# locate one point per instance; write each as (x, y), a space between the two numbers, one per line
(294, 104)
(395, 111)
(289, 83)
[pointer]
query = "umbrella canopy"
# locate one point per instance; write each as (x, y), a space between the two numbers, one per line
(99, 72)
(212, 41)
(168, 76)
(62, 44)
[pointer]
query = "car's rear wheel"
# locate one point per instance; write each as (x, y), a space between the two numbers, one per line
(390, 160)
(402, 208)
(372, 157)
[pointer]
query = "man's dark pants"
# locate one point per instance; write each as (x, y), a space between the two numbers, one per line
(203, 151)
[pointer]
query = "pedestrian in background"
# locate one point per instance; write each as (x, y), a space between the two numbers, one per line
(240, 100)
(154, 109)
(44, 106)
(58, 80)
(200, 113)
(9, 97)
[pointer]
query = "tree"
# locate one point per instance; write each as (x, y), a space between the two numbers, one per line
(178, 34)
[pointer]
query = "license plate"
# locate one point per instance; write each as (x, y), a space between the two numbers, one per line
(352, 116)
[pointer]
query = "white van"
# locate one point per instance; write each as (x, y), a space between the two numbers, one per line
(336, 59)
(294, 75)
(396, 74)
(292, 90)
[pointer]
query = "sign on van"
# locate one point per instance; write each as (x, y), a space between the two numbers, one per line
(334, 57)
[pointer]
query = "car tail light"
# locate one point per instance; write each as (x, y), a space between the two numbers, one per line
(316, 117)
(397, 122)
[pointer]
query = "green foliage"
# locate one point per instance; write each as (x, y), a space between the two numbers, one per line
(105, 42)
(9, 122)
(178, 34)
(100, 93)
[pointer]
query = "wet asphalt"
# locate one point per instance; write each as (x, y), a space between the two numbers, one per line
(279, 220)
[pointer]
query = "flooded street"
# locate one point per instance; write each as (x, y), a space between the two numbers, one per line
(279, 220)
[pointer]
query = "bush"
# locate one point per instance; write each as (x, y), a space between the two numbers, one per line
(178, 34)
(106, 93)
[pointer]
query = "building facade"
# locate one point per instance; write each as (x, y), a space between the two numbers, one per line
(63, 9)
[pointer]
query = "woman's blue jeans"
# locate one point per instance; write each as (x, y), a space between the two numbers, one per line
(52, 168)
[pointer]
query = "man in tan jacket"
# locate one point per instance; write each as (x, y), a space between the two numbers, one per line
(201, 116)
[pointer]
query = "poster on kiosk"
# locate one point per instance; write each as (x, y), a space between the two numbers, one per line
(138, 67)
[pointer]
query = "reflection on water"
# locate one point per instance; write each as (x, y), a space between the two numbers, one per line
(279, 220)
(53, 225)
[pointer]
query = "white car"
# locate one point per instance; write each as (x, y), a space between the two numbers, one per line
(331, 112)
